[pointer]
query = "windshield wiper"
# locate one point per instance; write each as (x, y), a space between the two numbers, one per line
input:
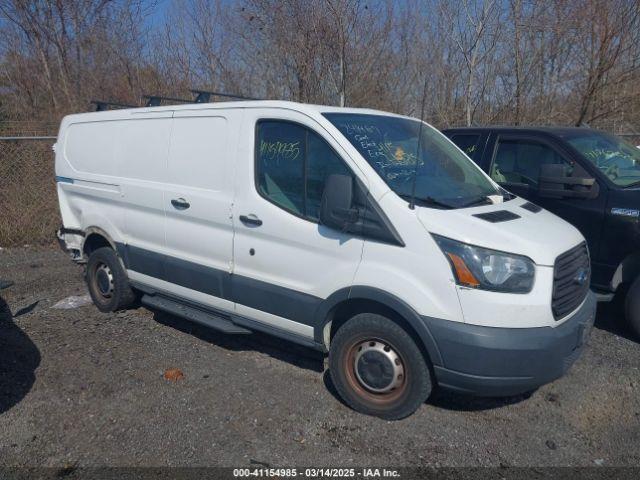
(634, 184)
(506, 194)
(484, 200)
(429, 201)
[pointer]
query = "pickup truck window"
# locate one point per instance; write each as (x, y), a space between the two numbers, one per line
(519, 160)
(619, 161)
(467, 142)
(444, 177)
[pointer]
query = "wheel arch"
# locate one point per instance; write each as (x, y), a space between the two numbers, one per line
(627, 271)
(347, 302)
(95, 238)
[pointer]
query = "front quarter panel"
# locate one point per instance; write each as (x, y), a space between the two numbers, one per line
(417, 273)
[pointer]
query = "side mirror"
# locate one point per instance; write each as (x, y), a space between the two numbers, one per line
(555, 183)
(336, 207)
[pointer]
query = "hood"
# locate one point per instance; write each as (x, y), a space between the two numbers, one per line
(541, 236)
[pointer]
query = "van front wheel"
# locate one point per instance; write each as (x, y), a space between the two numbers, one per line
(377, 368)
(633, 307)
(108, 282)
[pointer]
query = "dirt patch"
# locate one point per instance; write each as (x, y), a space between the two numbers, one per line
(83, 388)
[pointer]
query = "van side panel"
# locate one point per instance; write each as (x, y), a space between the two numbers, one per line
(141, 153)
(88, 187)
(199, 238)
(109, 168)
(89, 148)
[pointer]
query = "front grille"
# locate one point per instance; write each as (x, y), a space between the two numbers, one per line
(571, 278)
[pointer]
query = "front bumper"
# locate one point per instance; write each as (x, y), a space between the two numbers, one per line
(70, 241)
(490, 361)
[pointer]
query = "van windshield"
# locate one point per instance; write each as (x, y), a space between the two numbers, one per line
(618, 160)
(446, 178)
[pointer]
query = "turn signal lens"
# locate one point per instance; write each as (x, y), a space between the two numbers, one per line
(464, 275)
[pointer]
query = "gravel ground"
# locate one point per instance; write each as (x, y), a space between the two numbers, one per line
(78, 387)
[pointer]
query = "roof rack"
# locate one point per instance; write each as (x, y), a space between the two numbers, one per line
(204, 96)
(200, 96)
(156, 100)
(102, 105)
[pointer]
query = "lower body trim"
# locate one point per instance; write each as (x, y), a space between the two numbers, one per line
(490, 361)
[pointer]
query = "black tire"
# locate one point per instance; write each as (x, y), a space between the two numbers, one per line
(350, 369)
(108, 282)
(632, 307)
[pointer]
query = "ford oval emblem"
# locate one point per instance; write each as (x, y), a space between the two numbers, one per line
(581, 276)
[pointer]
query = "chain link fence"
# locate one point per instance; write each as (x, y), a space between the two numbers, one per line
(28, 202)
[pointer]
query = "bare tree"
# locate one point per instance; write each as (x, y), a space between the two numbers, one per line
(610, 52)
(58, 53)
(474, 30)
(482, 61)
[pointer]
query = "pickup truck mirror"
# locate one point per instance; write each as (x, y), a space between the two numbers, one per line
(555, 183)
(336, 207)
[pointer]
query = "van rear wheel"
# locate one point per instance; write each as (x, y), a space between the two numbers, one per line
(377, 368)
(632, 307)
(108, 282)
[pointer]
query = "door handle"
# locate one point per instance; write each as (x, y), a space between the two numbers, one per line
(180, 203)
(250, 220)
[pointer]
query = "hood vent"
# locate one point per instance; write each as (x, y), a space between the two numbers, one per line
(497, 216)
(532, 207)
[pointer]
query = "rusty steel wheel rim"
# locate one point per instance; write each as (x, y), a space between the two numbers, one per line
(376, 371)
(102, 281)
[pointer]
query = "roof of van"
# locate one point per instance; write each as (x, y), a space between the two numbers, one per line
(288, 105)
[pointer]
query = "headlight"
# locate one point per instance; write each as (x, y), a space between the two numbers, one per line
(478, 267)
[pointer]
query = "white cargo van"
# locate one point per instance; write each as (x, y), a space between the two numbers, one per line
(358, 232)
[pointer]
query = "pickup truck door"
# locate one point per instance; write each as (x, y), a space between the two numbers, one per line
(514, 162)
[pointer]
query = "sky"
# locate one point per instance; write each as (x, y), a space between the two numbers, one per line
(159, 11)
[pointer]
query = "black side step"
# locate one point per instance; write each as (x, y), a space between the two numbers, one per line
(193, 314)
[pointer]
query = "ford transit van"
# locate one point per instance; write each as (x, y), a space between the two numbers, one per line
(360, 233)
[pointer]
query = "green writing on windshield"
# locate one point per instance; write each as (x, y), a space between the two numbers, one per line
(380, 150)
